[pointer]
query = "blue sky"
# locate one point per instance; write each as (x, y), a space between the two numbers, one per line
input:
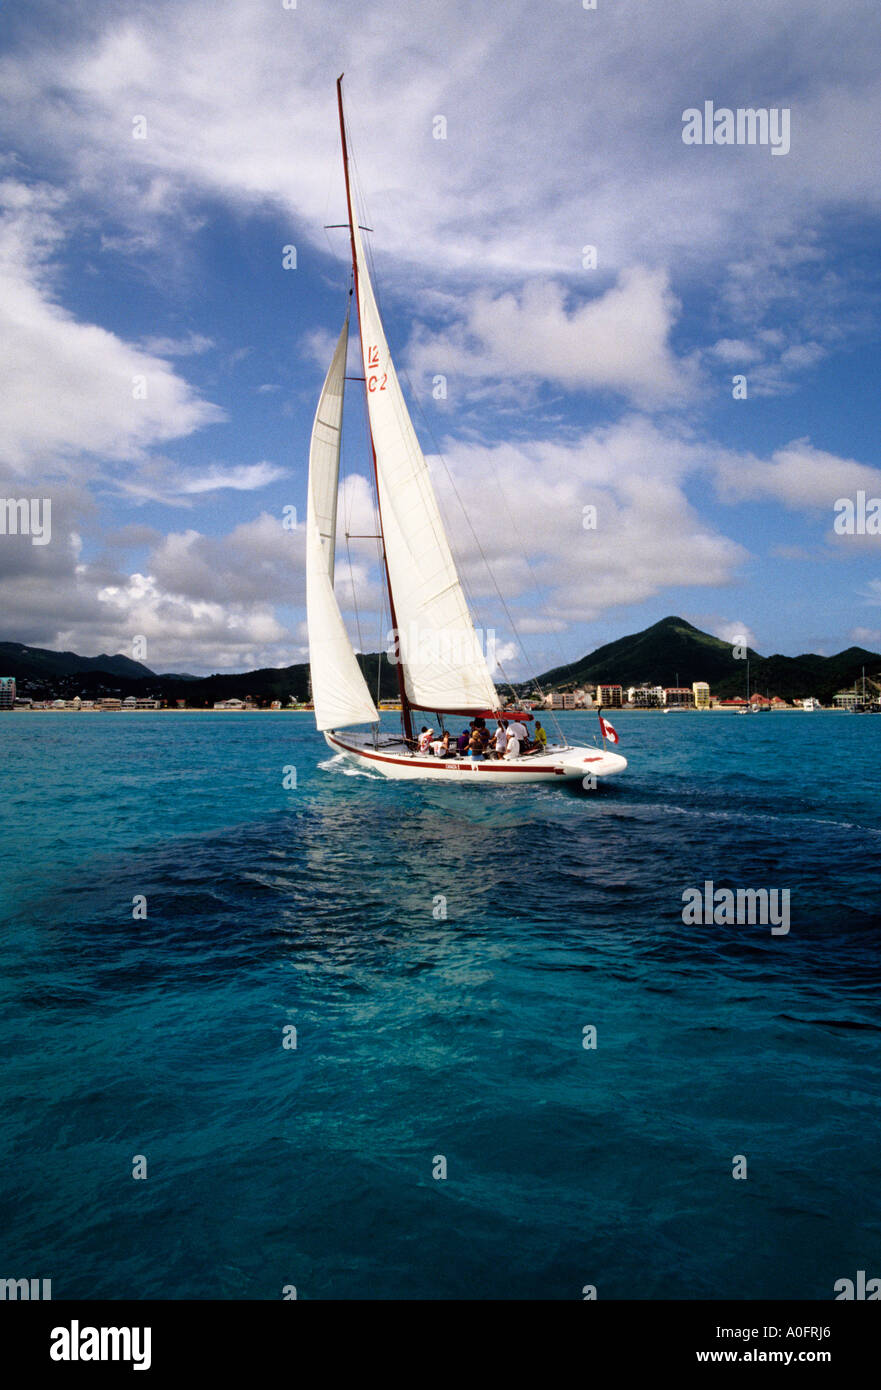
(566, 385)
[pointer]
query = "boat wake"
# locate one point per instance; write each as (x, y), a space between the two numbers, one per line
(650, 810)
(340, 763)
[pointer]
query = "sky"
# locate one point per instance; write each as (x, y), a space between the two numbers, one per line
(706, 377)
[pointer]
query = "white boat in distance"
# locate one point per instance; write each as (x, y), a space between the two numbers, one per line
(447, 674)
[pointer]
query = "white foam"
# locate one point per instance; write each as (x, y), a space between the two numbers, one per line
(340, 763)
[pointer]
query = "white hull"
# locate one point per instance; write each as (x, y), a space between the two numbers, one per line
(391, 758)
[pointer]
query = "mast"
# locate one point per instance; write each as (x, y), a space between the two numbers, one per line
(405, 703)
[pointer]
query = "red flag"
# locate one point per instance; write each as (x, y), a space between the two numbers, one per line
(608, 731)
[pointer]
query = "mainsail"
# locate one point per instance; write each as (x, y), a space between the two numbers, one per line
(339, 691)
(444, 666)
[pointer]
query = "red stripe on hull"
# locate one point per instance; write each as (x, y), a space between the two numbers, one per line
(437, 762)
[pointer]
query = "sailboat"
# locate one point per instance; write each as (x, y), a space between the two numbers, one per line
(440, 665)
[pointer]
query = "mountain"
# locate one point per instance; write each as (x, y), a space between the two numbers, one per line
(793, 676)
(38, 663)
(655, 656)
(270, 683)
(674, 647)
(42, 674)
(670, 649)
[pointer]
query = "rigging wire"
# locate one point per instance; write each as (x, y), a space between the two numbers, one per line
(384, 603)
(489, 569)
(359, 201)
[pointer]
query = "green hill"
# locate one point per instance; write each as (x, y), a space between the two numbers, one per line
(38, 663)
(654, 656)
(674, 647)
(42, 674)
(669, 652)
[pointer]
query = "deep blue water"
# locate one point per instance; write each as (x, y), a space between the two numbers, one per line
(420, 1035)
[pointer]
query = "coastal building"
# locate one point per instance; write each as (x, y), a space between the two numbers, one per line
(845, 699)
(642, 696)
(611, 696)
(7, 692)
(561, 699)
(679, 695)
(701, 692)
(777, 703)
(229, 704)
(109, 704)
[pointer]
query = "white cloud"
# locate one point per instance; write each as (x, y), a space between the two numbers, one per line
(551, 569)
(733, 630)
(160, 479)
(203, 604)
(246, 477)
(872, 592)
(259, 561)
(799, 475)
(616, 341)
(73, 388)
(735, 352)
(189, 346)
(584, 146)
(177, 627)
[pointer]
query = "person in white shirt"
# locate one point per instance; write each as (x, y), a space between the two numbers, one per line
(501, 739)
(513, 748)
(425, 738)
(518, 730)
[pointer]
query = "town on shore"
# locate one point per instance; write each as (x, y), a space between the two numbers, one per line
(697, 696)
(670, 666)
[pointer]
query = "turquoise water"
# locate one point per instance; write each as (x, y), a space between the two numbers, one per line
(420, 1034)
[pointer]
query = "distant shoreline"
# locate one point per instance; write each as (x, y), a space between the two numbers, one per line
(613, 710)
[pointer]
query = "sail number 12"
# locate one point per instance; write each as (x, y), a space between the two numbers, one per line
(373, 361)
